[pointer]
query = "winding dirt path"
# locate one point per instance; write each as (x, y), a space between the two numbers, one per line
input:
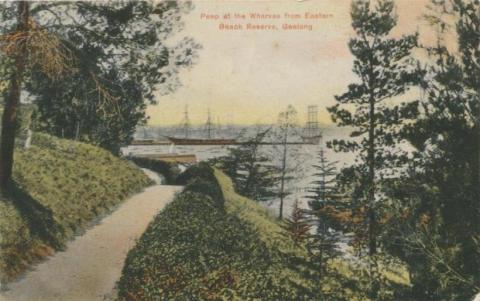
(92, 263)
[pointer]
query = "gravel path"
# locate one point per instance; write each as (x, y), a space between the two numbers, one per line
(92, 263)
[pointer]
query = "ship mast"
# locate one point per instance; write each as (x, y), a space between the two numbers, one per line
(312, 121)
(209, 125)
(186, 123)
(218, 128)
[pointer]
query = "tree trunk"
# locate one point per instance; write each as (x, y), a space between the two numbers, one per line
(322, 246)
(477, 128)
(324, 178)
(9, 118)
(283, 174)
(320, 260)
(372, 222)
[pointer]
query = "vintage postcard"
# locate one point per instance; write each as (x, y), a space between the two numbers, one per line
(278, 150)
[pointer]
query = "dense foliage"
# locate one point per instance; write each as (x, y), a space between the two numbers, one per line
(324, 204)
(222, 246)
(297, 225)
(250, 169)
(436, 229)
(385, 70)
(427, 206)
(195, 250)
(168, 170)
(117, 58)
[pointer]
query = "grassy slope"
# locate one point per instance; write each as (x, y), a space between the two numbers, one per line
(67, 185)
(270, 232)
(268, 228)
(195, 250)
(212, 244)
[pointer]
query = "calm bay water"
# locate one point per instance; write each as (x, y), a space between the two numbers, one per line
(301, 159)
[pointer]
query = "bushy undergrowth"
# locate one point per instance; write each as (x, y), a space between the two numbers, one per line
(212, 244)
(200, 178)
(60, 187)
(195, 250)
(169, 170)
(201, 248)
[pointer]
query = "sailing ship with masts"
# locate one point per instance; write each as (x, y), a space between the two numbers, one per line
(208, 130)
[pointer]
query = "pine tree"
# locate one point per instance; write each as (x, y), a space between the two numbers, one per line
(25, 45)
(324, 203)
(122, 43)
(297, 226)
(322, 190)
(250, 170)
(437, 230)
(386, 70)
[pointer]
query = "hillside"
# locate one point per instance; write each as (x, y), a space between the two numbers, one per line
(346, 280)
(212, 244)
(62, 187)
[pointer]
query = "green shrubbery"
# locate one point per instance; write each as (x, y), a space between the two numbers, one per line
(61, 186)
(202, 170)
(209, 245)
(200, 178)
(169, 170)
(195, 250)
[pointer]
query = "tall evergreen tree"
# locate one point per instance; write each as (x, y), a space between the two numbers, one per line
(438, 232)
(298, 225)
(386, 70)
(323, 203)
(322, 189)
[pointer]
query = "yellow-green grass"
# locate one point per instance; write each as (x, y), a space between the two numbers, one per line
(61, 187)
(268, 227)
(270, 231)
(196, 249)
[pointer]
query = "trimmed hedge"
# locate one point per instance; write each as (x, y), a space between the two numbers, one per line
(201, 170)
(169, 170)
(201, 178)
